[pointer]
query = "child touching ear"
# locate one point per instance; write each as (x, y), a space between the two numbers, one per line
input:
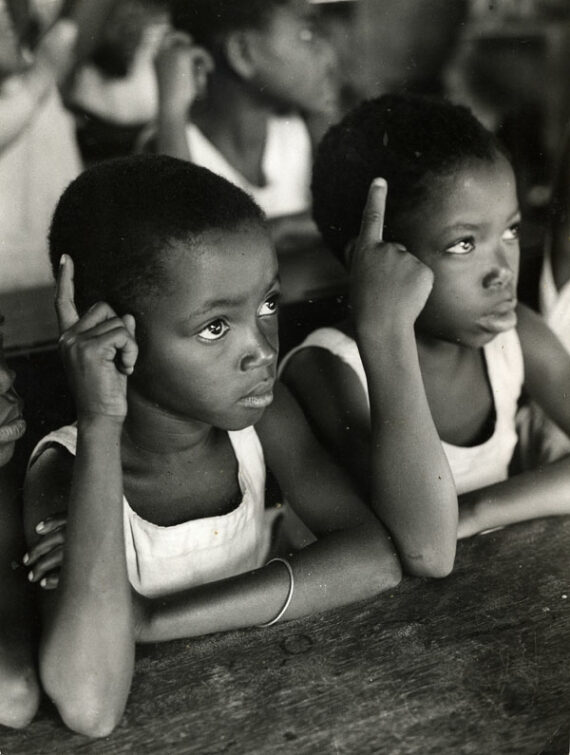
(163, 477)
(417, 394)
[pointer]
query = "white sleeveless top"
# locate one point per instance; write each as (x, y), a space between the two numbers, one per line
(287, 161)
(472, 467)
(163, 560)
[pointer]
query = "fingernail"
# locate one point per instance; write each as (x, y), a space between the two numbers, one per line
(31, 576)
(40, 526)
(26, 558)
(43, 582)
(62, 260)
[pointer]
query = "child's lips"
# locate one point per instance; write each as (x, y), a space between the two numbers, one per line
(260, 397)
(501, 317)
(12, 431)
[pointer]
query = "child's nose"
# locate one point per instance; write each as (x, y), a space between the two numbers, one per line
(500, 276)
(260, 353)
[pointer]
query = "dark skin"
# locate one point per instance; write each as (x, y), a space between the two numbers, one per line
(19, 689)
(164, 402)
(285, 66)
(422, 311)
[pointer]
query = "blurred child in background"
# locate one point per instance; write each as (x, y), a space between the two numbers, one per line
(242, 101)
(38, 153)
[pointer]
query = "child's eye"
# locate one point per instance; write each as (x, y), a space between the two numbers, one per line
(214, 330)
(512, 233)
(464, 246)
(270, 306)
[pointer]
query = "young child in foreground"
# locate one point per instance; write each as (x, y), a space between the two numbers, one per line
(243, 97)
(19, 689)
(417, 394)
(166, 535)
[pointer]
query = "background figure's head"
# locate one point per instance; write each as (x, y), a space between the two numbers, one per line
(413, 142)
(120, 219)
(12, 424)
(269, 46)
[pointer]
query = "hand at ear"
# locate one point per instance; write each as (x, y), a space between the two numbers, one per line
(389, 286)
(99, 350)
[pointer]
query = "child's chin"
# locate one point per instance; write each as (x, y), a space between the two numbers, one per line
(247, 419)
(494, 325)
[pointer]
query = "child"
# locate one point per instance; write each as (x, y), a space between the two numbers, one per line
(19, 690)
(114, 94)
(167, 420)
(234, 103)
(38, 156)
(417, 395)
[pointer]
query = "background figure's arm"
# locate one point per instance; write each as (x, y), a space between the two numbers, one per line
(19, 689)
(22, 94)
(182, 70)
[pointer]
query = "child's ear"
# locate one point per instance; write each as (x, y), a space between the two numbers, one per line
(238, 53)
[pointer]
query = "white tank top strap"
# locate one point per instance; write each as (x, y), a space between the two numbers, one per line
(484, 464)
(336, 342)
(162, 560)
(65, 436)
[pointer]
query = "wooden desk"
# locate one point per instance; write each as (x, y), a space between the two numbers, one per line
(475, 664)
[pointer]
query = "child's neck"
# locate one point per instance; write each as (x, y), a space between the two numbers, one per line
(444, 355)
(235, 122)
(151, 432)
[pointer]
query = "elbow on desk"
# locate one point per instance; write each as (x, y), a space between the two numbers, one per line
(19, 698)
(432, 563)
(84, 706)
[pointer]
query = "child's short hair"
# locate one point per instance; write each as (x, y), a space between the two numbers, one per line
(118, 219)
(209, 21)
(406, 139)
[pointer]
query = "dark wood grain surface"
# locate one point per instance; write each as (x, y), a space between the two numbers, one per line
(478, 663)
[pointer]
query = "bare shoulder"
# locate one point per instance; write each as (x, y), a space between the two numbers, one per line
(47, 486)
(329, 391)
(541, 348)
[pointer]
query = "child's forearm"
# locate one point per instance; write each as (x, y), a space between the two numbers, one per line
(171, 134)
(87, 652)
(19, 100)
(19, 689)
(340, 568)
(412, 488)
(530, 495)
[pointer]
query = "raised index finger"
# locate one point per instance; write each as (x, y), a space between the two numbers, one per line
(372, 226)
(65, 295)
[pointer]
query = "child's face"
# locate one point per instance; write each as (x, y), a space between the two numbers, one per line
(12, 426)
(208, 348)
(467, 232)
(295, 66)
